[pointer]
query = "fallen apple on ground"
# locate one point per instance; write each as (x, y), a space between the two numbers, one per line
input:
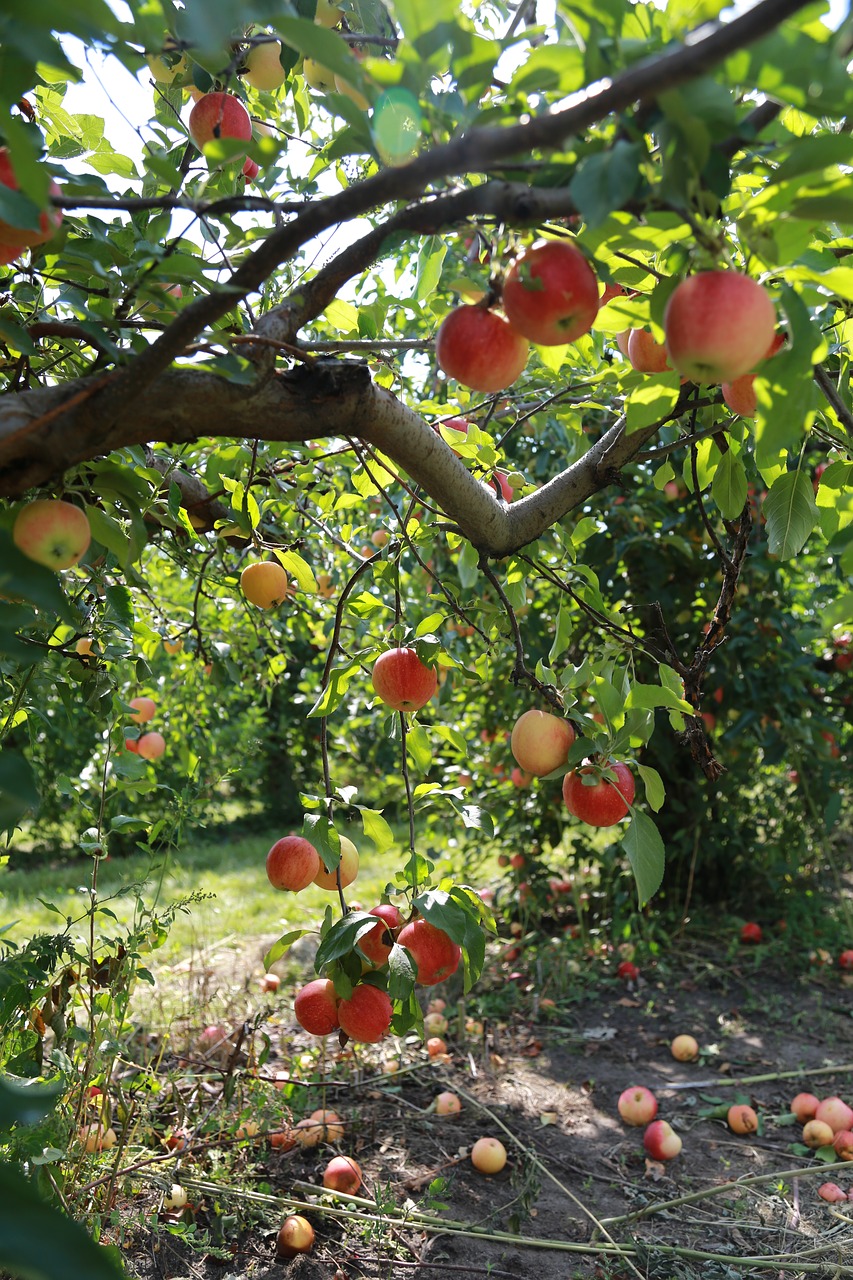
(742, 1119)
(488, 1155)
(342, 1173)
(661, 1141)
(684, 1048)
(637, 1105)
(295, 1236)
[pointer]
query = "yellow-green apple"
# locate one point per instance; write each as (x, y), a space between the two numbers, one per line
(308, 1133)
(637, 1105)
(836, 1113)
(84, 647)
(684, 1048)
(327, 13)
(376, 944)
(342, 1173)
(221, 117)
(263, 66)
(316, 1007)
(264, 583)
(295, 1236)
(598, 801)
(831, 1192)
(540, 742)
(480, 349)
(646, 355)
(741, 1118)
(317, 76)
(144, 710)
(177, 1197)
(402, 681)
(169, 65)
(740, 394)
(435, 1024)
(718, 325)
(550, 294)
(804, 1106)
(151, 745)
(342, 85)
(51, 532)
(331, 1123)
(488, 1155)
(661, 1141)
(292, 863)
(817, 1133)
(349, 868)
(95, 1137)
(436, 956)
(366, 1015)
(16, 238)
(447, 1104)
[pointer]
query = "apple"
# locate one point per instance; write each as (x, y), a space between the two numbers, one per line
(435, 1024)
(348, 866)
(331, 1123)
(480, 349)
(436, 956)
(637, 1105)
(263, 66)
(366, 1015)
(250, 169)
(55, 534)
(550, 293)
(437, 1005)
(661, 1141)
(376, 945)
(622, 340)
(540, 742)
(151, 745)
(742, 1119)
(646, 355)
(488, 1155)
(379, 538)
(843, 1143)
(684, 1049)
(264, 583)
(221, 116)
(517, 861)
(436, 1046)
(316, 1007)
(173, 646)
(14, 238)
(249, 1129)
(177, 1140)
(144, 710)
(317, 76)
(342, 85)
(402, 681)
(835, 1113)
(177, 1197)
(325, 585)
(342, 1173)
(282, 1140)
(751, 932)
(832, 1192)
(740, 394)
(327, 13)
(84, 647)
(308, 1133)
(718, 325)
(292, 863)
(804, 1106)
(295, 1236)
(610, 291)
(270, 982)
(845, 961)
(447, 1104)
(816, 1133)
(628, 971)
(604, 802)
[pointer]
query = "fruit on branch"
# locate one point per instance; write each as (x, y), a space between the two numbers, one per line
(55, 534)
(447, 1104)
(327, 14)
(292, 863)
(458, 425)
(610, 291)
(402, 681)
(366, 1015)
(646, 355)
(684, 1048)
(151, 745)
(804, 1106)
(520, 778)
(376, 945)
(602, 802)
(263, 66)
(817, 1133)
(13, 238)
(718, 325)
(349, 868)
(505, 488)
(540, 741)
(480, 349)
(622, 341)
(836, 1113)
(740, 394)
(317, 76)
(751, 933)
(221, 117)
(488, 1155)
(250, 169)
(342, 85)
(436, 955)
(741, 1119)
(295, 1236)
(661, 1141)
(169, 65)
(342, 1173)
(144, 710)
(173, 646)
(550, 294)
(637, 1105)
(316, 1007)
(264, 583)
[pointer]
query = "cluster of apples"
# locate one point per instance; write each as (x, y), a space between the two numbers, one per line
(638, 1106)
(826, 1122)
(599, 796)
(151, 744)
(14, 239)
(51, 532)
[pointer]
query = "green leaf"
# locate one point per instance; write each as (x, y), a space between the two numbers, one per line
(417, 744)
(652, 781)
(606, 181)
(297, 568)
(25, 1101)
(18, 792)
(645, 851)
(430, 260)
(376, 829)
(652, 401)
(284, 943)
(468, 564)
(728, 488)
(341, 939)
(791, 514)
(563, 633)
(22, 578)
(319, 831)
(40, 1242)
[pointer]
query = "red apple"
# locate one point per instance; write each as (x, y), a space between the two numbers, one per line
(740, 394)
(661, 1141)
(628, 971)
(845, 961)
(741, 1119)
(718, 325)
(436, 956)
(831, 1192)
(402, 681)
(151, 745)
(342, 1173)
(843, 1143)
(349, 868)
(316, 1007)
(550, 294)
(264, 583)
(220, 116)
(436, 1046)
(505, 488)
(540, 742)
(751, 932)
(292, 863)
(646, 355)
(480, 349)
(637, 1105)
(602, 803)
(376, 945)
(296, 1236)
(488, 1155)
(610, 291)
(366, 1015)
(684, 1049)
(447, 1104)
(144, 710)
(15, 238)
(331, 1123)
(53, 533)
(835, 1113)
(804, 1106)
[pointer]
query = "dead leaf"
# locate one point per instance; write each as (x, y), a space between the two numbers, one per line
(629, 1004)
(548, 1117)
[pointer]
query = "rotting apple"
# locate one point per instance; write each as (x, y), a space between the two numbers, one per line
(402, 681)
(540, 741)
(331, 1122)
(447, 1104)
(436, 955)
(637, 1105)
(718, 325)
(742, 1118)
(550, 293)
(51, 532)
(315, 1007)
(661, 1141)
(831, 1192)
(435, 1046)
(843, 1143)
(480, 349)
(435, 1024)
(292, 863)
(627, 971)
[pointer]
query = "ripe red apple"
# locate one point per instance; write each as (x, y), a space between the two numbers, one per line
(264, 583)
(292, 863)
(684, 1049)
(831, 1192)
(436, 1046)
(751, 932)
(402, 681)
(661, 1141)
(550, 294)
(742, 1119)
(151, 745)
(436, 956)
(836, 1113)
(637, 1105)
(132, 745)
(376, 945)
(718, 325)
(602, 803)
(250, 169)
(843, 1143)
(610, 291)
(53, 533)
(342, 1173)
(740, 394)
(15, 238)
(366, 1015)
(488, 1155)
(296, 1236)
(447, 1104)
(540, 742)
(480, 349)
(817, 1133)
(628, 971)
(845, 961)
(804, 1106)
(349, 868)
(144, 710)
(316, 1007)
(220, 116)
(646, 355)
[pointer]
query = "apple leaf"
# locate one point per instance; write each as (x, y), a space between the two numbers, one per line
(37, 1239)
(646, 854)
(341, 939)
(791, 514)
(403, 973)
(279, 948)
(325, 839)
(376, 829)
(605, 181)
(728, 488)
(652, 781)
(18, 791)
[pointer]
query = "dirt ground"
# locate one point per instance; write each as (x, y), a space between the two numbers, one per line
(546, 1083)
